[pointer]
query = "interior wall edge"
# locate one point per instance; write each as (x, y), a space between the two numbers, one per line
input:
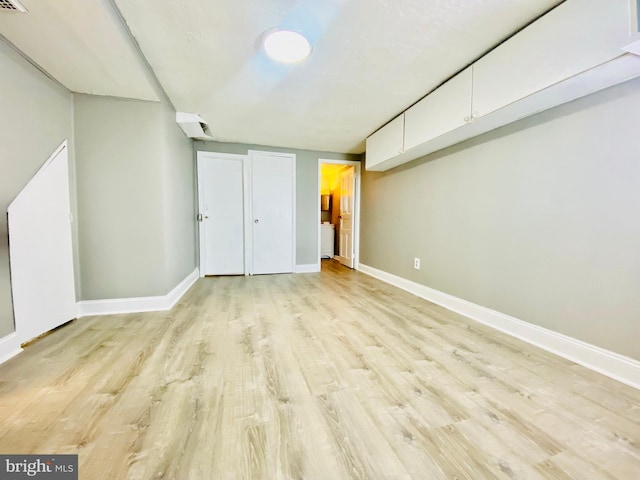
(33, 63)
(613, 365)
(178, 174)
(73, 192)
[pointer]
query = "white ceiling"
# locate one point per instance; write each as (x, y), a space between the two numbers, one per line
(82, 44)
(371, 58)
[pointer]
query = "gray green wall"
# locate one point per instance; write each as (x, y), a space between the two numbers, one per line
(135, 198)
(36, 118)
(306, 190)
(539, 220)
(132, 183)
(179, 185)
(120, 218)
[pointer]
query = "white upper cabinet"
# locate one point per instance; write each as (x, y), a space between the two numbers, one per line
(572, 38)
(634, 46)
(576, 49)
(386, 143)
(445, 109)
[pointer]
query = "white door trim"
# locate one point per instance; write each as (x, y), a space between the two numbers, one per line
(356, 207)
(202, 252)
(248, 230)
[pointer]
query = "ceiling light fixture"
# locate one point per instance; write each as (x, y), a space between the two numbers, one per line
(286, 46)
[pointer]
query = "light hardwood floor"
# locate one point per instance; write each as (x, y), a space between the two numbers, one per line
(312, 376)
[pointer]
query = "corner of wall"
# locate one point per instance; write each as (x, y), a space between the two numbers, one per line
(73, 192)
(178, 172)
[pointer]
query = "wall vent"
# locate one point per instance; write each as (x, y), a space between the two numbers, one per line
(193, 125)
(12, 6)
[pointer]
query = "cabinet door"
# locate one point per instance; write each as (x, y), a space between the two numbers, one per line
(41, 250)
(386, 143)
(445, 109)
(572, 38)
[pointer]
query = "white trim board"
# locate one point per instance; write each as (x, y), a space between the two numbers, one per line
(611, 364)
(140, 304)
(9, 347)
(310, 268)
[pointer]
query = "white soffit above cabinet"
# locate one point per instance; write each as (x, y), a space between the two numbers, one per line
(82, 44)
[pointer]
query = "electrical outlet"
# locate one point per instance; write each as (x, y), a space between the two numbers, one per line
(416, 263)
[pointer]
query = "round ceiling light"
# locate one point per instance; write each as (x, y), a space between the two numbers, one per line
(286, 46)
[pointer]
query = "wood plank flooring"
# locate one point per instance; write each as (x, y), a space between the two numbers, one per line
(321, 376)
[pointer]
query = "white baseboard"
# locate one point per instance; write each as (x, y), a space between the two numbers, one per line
(183, 287)
(9, 347)
(310, 268)
(10, 344)
(139, 304)
(611, 364)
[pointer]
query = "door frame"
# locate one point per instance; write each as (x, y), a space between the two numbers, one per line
(356, 207)
(201, 156)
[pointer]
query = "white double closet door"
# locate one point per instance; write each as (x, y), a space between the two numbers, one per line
(246, 213)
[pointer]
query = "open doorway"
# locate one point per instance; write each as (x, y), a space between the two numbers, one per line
(339, 211)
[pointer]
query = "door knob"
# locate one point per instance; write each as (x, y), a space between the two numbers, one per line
(256, 221)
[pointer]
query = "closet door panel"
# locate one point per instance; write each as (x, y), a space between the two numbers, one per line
(221, 205)
(273, 210)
